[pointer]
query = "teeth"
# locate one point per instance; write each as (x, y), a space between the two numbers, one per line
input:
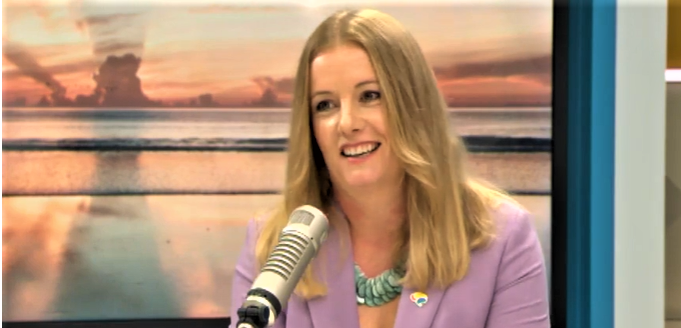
(360, 150)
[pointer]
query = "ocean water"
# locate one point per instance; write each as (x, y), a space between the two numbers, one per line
(188, 128)
(213, 150)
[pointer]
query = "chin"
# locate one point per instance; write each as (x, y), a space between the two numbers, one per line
(361, 180)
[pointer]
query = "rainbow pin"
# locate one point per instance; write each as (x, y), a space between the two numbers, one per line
(419, 298)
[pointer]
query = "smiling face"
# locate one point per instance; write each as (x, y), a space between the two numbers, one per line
(349, 123)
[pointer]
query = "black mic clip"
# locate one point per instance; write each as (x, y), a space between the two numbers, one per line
(256, 314)
(253, 315)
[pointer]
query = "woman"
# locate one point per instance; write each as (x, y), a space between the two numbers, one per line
(414, 240)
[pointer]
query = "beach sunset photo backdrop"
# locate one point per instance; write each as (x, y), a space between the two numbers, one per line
(140, 137)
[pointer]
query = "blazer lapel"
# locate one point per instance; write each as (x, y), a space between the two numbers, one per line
(410, 315)
(338, 308)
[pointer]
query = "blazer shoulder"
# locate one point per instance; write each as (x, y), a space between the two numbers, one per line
(518, 243)
(520, 290)
(512, 221)
(246, 261)
(254, 228)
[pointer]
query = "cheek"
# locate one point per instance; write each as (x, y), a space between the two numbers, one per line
(380, 123)
(324, 135)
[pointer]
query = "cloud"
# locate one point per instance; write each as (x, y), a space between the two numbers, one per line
(27, 65)
(53, 70)
(282, 85)
(110, 47)
(537, 68)
(118, 83)
(275, 92)
(110, 33)
(108, 19)
(14, 11)
(209, 9)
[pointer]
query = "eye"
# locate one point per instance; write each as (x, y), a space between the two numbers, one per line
(323, 105)
(368, 96)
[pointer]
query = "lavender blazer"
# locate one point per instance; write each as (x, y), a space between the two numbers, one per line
(505, 287)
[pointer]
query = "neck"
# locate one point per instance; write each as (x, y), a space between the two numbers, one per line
(375, 215)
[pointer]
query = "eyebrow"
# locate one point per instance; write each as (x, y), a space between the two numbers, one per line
(316, 93)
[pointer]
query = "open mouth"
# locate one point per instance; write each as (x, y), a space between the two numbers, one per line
(361, 150)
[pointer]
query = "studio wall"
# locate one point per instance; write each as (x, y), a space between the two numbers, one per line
(673, 168)
(673, 204)
(138, 140)
(639, 164)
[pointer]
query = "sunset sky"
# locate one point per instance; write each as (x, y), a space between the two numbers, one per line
(482, 55)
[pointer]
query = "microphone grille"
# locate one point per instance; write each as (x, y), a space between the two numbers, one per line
(286, 254)
(301, 216)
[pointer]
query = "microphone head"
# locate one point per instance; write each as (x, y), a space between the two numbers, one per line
(311, 220)
(298, 243)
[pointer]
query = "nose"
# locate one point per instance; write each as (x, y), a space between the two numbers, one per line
(350, 120)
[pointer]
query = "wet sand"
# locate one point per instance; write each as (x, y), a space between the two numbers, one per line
(60, 172)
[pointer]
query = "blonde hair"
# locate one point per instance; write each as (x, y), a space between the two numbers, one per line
(448, 211)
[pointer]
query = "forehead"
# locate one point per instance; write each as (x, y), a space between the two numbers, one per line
(347, 64)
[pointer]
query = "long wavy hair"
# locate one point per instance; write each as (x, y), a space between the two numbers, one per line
(448, 211)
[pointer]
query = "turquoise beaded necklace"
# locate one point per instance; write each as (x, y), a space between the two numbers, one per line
(378, 290)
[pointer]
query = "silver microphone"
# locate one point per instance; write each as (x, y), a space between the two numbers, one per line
(299, 242)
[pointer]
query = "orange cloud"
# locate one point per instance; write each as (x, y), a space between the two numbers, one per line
(501, 82)
(495, 92)
(537, 66)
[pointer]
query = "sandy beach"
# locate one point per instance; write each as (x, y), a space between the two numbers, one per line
(108, 257)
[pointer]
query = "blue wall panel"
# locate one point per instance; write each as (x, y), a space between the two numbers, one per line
(591, 124)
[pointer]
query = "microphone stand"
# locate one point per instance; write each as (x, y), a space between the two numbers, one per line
(253, 315)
